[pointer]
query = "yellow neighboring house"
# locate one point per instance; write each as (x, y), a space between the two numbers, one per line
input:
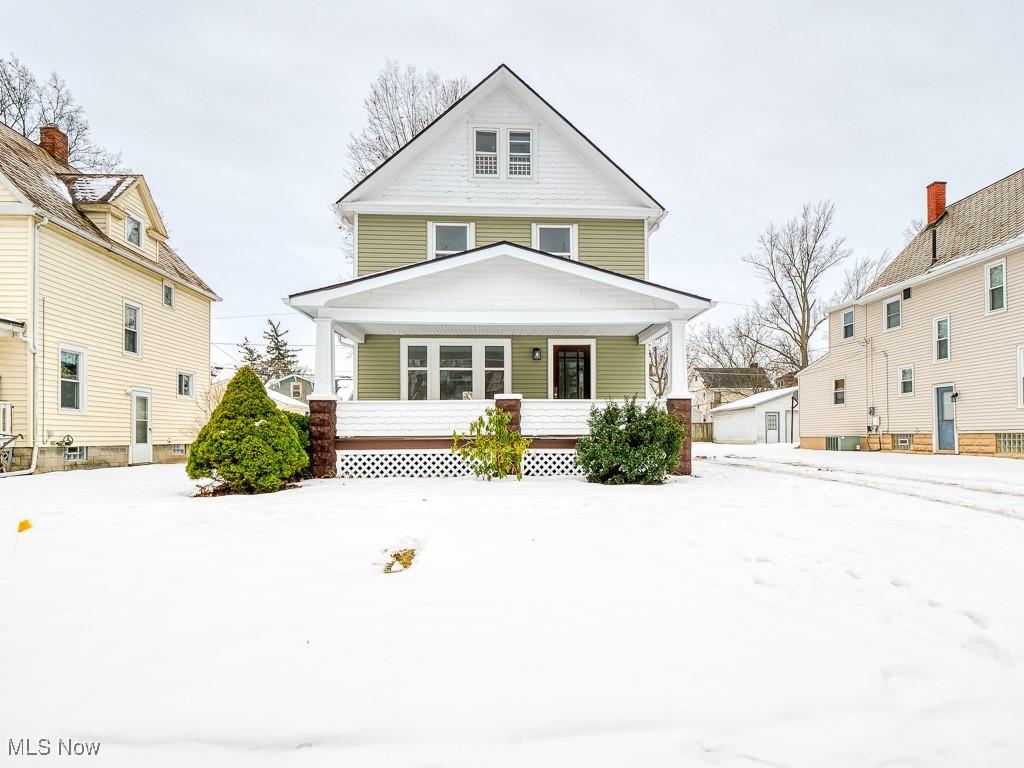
(104, 330)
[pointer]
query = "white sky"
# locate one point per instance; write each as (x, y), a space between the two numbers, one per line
(731, 114)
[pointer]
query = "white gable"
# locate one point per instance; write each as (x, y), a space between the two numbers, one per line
(436, 168)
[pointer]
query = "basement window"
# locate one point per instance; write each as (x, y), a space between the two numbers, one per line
(75, 453)
(902, 442)
(177, 449)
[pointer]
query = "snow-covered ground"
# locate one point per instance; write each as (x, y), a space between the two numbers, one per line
(751, 616)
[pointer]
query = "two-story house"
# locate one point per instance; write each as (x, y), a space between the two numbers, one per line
(931, 357)
(104, 330)
(712, 387)
(499, 255)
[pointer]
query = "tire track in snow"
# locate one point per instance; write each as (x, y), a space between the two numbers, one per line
(971, 499)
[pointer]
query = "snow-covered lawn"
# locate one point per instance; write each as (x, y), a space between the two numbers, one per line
(745, 617)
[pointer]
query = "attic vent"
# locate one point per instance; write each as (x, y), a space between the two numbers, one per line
(906, 293)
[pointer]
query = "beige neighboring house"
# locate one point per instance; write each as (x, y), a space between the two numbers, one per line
(931, 358)
(712, 387)
(104, 330)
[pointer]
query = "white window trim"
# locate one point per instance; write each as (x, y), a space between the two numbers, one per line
(536, 227)
(470, 236)
(434, 345)
(80, 351)
(552, 343)
(988, 287)
(472, 151)
(174, 294)
(935, 339)
(853, 323)
(142, 231)
(885, 313)
(899, 381)
(935, 418)
(846, 388)
(82, 450)
(1020, 376)
(138, 330)
(291, 390)
(192, 387)
(508, 152)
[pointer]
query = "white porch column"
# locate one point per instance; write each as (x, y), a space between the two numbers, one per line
(323, 379)
(678, 375)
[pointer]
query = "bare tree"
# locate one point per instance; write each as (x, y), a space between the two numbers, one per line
(915, 226)
(400, 104)
(657, 367)
(739, 344)
(793, 259)
(859, 276)
(26, 105)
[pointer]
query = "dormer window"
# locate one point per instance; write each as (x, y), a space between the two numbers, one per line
(133, 231)
(520, 153)
(486, 152)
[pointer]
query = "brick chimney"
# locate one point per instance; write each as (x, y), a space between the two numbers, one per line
(936, 200)
(55, 142)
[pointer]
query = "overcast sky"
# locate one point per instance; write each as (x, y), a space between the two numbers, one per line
(731, 114)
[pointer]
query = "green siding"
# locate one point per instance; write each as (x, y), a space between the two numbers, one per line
(378, 369)
(386, 242)
(620, 367)
(529, 376)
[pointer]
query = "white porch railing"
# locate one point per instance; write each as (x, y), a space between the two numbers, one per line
(439, 418)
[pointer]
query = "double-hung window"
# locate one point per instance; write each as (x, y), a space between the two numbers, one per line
(296, 390)
(485, 152)
(133, 231)
(941, 328)
(906, 384)
(448, 238)
(168, 295)
(132, 328)
(892, 314)
(995, 287)
(520, 153)
(848, 324)
(186, 385)
(839, 392)
(72, 379)
(454, 369)
(556, 239)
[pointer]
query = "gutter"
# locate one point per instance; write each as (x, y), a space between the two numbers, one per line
(33, 346)
(145, 264)
(946, 269)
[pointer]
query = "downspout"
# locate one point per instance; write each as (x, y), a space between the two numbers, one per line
(33, 346)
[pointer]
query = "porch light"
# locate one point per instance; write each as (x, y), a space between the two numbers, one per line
(536, 353)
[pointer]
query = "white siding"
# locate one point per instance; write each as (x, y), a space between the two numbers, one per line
(735, 426)
(562, 175)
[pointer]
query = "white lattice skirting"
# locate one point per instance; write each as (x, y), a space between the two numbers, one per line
(444, 463)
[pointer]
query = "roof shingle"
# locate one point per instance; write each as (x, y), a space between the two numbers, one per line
(984, 219)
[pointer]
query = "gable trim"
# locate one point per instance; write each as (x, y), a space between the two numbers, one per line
(437, 120)
(441, 263)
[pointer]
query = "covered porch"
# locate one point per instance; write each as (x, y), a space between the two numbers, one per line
(438, 342)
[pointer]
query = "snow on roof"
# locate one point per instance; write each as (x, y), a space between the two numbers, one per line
(754, 400)
(280, 399)
(96, 188)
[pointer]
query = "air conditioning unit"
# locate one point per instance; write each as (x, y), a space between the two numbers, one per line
(6, 418)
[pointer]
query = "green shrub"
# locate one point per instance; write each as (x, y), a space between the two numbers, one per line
(491, 448)
(630, 444)
(301, 423)
(248, 445)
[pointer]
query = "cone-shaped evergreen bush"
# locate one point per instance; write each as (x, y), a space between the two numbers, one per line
(248, 443)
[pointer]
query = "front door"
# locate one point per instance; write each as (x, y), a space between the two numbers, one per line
(945, 418)
(771, 427)
(571, 372)
(141, 447)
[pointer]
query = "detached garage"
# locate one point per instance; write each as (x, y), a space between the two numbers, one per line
(767, 417)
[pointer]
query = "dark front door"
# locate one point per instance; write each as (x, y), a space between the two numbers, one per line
(945, 418)
(572, 372)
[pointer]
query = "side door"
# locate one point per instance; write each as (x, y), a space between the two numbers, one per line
(140, 448)
(945, 418)
(771, 427)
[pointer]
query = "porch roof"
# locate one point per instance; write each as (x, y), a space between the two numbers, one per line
(502, 288)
